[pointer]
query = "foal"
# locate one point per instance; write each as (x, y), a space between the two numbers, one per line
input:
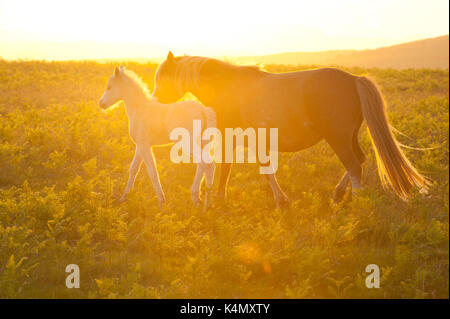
(150, 124)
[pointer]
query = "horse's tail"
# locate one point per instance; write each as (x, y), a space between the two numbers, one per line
(395, 170)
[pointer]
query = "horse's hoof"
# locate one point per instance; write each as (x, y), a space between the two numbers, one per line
(355, 193)
(220, 196)
(338, 195)
(207, 203)
(196, 199)
(116, 200)
(161, 203)
(283, 201)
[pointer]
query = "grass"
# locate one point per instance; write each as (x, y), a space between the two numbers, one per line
(63, 161)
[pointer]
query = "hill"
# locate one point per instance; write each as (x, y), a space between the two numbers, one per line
(428, 53)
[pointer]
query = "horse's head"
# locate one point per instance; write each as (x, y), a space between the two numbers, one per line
(113, 92)
(166, 89)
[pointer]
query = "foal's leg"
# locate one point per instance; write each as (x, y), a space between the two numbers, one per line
(134, 169)
(147, 154)
(209, 177)
(195, 189)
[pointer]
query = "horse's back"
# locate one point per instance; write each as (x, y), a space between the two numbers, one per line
(305, 106)
(332, 102)
(315, 85)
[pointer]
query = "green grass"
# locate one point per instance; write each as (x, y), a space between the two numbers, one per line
(62, 162)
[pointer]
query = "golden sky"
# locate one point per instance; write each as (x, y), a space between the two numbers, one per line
(98, 29)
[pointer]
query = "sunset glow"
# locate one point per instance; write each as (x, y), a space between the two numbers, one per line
(139, 29)
(238, 158)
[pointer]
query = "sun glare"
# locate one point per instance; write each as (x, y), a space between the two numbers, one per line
(215, 152)
(114, 29)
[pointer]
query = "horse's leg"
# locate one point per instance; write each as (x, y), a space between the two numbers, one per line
(195, 188)
(344, 150)
(209, 177)
(147, 154)
(339, 191)
(359, 154)
(357, 148)
(280, 197)
(134, 169)
(225, 169)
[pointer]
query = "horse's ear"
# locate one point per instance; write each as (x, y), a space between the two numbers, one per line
(116, 71)
(170, 57)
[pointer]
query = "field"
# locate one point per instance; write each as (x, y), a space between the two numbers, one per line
(63, 162)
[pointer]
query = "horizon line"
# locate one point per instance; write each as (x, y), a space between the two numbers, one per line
(157, 59)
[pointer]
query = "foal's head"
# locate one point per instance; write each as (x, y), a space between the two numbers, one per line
(113, 92)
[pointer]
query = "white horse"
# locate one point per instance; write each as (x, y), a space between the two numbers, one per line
(151, 123)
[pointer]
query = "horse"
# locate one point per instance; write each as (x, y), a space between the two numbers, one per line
(150, 124)
(305, 106)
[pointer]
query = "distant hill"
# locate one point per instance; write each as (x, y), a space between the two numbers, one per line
(428, 53)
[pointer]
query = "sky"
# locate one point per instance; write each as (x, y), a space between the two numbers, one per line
(103, 29)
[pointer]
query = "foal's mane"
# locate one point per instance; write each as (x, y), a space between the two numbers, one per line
(138, 82)
(190, 69)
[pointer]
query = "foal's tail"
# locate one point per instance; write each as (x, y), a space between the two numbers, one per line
(210, 122)
(395, 170)
(210, 115)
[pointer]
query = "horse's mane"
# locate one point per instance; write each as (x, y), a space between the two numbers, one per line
(189, 68)
(138, 82)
